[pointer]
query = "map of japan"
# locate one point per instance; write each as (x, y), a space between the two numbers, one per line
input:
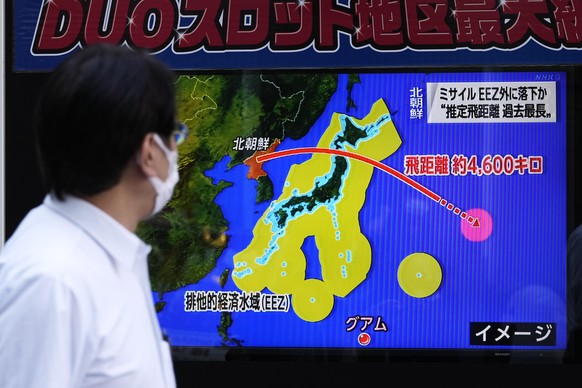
(312, 204)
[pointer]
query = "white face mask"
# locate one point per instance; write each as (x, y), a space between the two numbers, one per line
(165, 190)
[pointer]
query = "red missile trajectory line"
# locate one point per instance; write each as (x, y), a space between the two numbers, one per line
(397, 174)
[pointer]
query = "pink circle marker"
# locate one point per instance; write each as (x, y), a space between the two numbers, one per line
(483, 231)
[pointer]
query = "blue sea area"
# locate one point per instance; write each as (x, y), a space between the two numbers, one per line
(516, 275)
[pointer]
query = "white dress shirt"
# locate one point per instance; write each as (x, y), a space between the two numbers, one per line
(76, 308)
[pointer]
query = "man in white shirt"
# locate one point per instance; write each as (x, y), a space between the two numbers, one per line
(76, 308)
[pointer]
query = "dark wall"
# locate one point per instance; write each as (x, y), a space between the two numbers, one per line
(23, 188)
(22, 184)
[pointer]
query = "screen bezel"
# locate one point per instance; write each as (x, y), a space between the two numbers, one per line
(574, 217)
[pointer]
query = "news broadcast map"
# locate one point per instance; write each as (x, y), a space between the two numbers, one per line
(389, 210)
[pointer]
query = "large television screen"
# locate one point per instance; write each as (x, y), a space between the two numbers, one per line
(372, 211)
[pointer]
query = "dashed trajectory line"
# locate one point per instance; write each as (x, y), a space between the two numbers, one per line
(397, 174)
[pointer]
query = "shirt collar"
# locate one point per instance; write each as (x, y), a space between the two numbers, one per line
(123, 245)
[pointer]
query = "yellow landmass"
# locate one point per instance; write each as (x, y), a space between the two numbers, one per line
(277, 263)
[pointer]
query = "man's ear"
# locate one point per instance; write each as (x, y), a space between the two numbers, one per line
(145, 156)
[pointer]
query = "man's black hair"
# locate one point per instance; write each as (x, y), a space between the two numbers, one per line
(94, 112)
